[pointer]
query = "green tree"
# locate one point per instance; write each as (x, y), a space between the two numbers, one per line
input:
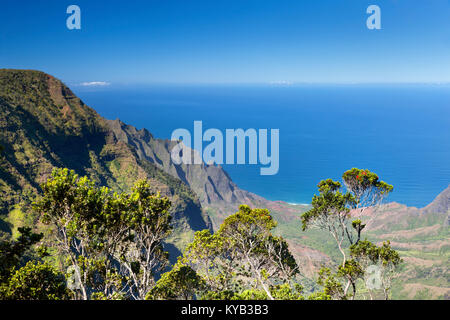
(32, 280)
(334, 210)
(331, 212)
(242, 255)
(149, 223)
(368, 191)
(112, 242)
(384, 257)
(283, 291)
(14, 253)
(73, 206)
(332, 285)
(351, 271)
(36, 281)
(182, 282)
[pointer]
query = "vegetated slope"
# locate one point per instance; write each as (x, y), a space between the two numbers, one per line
(218, 194)
(422, 237)
(44, 125)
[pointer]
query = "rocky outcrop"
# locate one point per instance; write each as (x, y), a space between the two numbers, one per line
(214, 187)
(441, 204)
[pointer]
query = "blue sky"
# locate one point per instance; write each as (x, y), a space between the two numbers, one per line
(228, 41)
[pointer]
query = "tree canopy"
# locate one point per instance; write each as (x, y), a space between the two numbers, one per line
(112, 242)
(341, 211)
(112, 245)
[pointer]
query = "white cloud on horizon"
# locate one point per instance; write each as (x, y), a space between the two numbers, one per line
(94, 84)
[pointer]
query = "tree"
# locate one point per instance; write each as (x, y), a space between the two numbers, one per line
(332, 286)
(208, 256)
(368, 192)
(182, 282)
(350, 271)
(242, 255)
(73, 206)
(13, 253)
(149, 223)
(264, 256)
(283, 291)
(36, 281)
(24, 278)
(113, 242)
(384, 258)
(333, 210)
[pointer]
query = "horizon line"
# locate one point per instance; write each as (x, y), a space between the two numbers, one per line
(108, 84)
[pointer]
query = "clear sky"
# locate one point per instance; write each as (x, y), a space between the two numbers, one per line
(229, 41)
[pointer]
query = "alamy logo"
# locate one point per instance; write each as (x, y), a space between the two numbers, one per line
(235, 147)
(373, 277)
(374, 20)
(74, 20)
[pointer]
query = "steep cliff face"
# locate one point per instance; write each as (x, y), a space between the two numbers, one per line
(440, 205)
(44, 125)
(218, 194)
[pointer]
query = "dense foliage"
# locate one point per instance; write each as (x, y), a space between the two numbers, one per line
(243, 256)
(339, 212)
(22, 275)
(112, 247)
(112, 242)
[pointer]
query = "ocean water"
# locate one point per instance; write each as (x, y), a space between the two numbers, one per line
(401, 132)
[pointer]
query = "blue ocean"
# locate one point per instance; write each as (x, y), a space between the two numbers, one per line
(401, 132)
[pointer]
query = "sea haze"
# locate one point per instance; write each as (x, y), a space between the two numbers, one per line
(402, 132)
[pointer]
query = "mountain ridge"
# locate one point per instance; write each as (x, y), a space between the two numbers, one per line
(44, 125)
(211, 183)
